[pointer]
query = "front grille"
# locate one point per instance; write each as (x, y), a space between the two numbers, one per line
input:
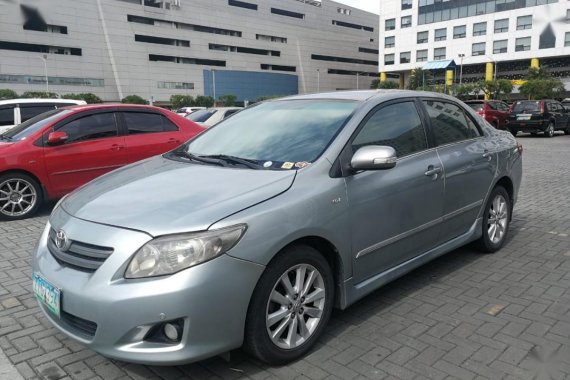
(82, 326)
(81, 256)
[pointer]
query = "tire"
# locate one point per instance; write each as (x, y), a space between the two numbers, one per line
(513, 132)
(288, 266)
(549, 131)
(567, 130)
(20, 196)
(498, 200)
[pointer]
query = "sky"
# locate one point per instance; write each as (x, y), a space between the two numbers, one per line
(367, 5)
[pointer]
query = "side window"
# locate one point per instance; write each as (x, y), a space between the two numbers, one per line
(27, 111)
(397, 125)
(91, 127)
(493, 105)
(229, 113)
(449, 122)
(145, 122)
(7, 116)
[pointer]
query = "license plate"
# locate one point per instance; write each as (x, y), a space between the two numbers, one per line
(523, 117)
(47, 294)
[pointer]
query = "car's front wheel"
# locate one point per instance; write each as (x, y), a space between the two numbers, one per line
(20, 196)
(496, 220)
(549, 131)
(290, 306)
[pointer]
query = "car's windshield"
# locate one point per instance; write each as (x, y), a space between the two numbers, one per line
(476, 106)
(526, 106)
(24, 130)
(201, 115)
(276, 134)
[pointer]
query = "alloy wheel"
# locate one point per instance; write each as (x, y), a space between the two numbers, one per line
(498, 219)
(296, 306)
(550, 130)
(17, 197)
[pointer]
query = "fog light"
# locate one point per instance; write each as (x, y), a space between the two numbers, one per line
(171, 331)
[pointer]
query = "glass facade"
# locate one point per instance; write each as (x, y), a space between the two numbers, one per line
(52, 81)
(176, 85)
(431, 11)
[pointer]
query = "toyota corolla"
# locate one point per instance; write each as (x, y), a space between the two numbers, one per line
(252, 232)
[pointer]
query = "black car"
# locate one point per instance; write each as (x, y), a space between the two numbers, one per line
(566, 104)
(536, 116)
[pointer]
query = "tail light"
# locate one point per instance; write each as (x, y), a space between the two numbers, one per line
(519, 149)
(541, 107)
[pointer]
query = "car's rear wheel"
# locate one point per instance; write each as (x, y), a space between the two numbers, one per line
(290, 306)
(496, 220)
(20, 196)
(549, 131)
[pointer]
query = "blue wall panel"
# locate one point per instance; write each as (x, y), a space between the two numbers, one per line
(250, 85)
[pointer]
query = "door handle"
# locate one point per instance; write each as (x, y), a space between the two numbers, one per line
(117, 147)
(433, 171)
(488, 155)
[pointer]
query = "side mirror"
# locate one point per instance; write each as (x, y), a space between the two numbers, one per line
(374, 157)
(57, 138)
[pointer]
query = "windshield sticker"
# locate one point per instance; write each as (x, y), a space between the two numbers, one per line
(287, 165)
(267, 164)
(302, 164)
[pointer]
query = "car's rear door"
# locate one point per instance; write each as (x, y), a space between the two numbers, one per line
(148, 133)
(469, 162)
(94, 147)
(394, 214)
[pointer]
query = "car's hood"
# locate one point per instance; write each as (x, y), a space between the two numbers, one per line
(161, 196)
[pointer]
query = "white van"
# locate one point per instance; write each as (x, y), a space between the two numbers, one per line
(16, 111)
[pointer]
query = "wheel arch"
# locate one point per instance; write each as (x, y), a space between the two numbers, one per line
(45, 194)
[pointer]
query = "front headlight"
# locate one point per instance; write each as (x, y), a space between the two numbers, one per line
(170, 254)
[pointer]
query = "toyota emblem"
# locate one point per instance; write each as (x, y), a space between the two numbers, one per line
(61, 241)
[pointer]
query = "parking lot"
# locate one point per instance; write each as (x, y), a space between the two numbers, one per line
(463, 316)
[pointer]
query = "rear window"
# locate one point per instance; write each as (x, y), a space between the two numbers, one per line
(27, 111)
(201, 116)
(7, 116)
(476, 106)
(28, 128)
(526, 106)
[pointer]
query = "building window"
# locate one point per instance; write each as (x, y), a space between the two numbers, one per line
(547, 38)
(353, 26)
(246, 50)
(278, 68)
(478, 49)
(283, 12)
(185, 60)
(329, 58)
(421, 55)
(459, 31)
(406, 22)
(406, 4)
(389, 42)
(502, 26)
(182, 25)
(37, 48)
(440, 34)
(439, 54)
(389, 59)
(390, 24)
(568, 16)
(350, 72)
(161, 40)
(423, 37)
(524, 22)
(242, 4)
(264, 37)
(343, 11)
(522, 44)
(367, 50)
(567, 39)
(176, 85)
(500, 46)
(53, 81)
(405, 57)
(480, 29)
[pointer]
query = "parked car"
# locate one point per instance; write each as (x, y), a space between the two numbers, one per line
(536, 116)
(253, 231)
(566, 104)
(188, 110)
(495, 112)
(210, 116)
(16, 111)
(53, 153)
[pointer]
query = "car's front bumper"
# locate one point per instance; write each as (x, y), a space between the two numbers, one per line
(211, 299)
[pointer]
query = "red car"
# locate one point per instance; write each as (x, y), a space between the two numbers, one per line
(52, 154)
(495, 112)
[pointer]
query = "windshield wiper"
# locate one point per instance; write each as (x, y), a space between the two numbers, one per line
(190, 156)
(236, 160)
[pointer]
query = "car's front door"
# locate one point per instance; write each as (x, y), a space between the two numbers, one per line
(395, 213)
(148, 134)
(94, 147)
(469, 162)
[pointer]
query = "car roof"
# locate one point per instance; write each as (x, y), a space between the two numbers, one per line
(225, 108)
(40, 100)
(91, 107)
(365, 95)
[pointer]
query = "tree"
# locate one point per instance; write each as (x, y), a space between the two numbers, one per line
(39, 94)
(540, 85)
(6, 93)
(179, 101)
(388, 85)
(495, 89)
(133, 99)
(88, 97)
(204, 101)
(465, 91)
(418, 77)
(228, 100)
(374, 84)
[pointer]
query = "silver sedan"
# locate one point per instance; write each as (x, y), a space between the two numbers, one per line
(252, 232)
